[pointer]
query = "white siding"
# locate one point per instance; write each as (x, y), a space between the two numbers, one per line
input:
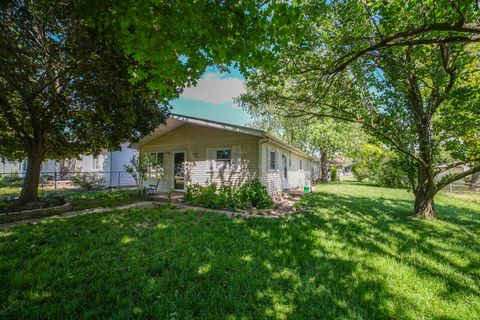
(273, 179)
(200, 144)
(114, 162)
(10, 166)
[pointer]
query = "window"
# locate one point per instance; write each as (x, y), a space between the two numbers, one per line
(273, 160)
(96, 163)
(301, 164)
(223, 158)
(155, 169)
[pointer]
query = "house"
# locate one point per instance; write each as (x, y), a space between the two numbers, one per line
(197, 151)
(11, 167)
(109, 164)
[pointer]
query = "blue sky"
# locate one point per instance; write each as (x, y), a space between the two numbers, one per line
(212, 98)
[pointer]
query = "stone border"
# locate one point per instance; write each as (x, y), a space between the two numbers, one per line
(264, 213)
(35, 213)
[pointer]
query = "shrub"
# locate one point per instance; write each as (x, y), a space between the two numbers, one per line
(333, 174)
(89, 181)
(249, 195)
(254, 193)
(384, 167)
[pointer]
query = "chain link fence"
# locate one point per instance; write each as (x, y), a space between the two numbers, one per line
(58, 181)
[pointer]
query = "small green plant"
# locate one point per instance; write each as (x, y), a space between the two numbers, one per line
(138, 169)
(89, 181)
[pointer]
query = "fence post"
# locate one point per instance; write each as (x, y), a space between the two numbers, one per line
(118, 184)
(55, 182)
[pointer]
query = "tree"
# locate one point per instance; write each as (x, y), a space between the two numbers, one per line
(412, 87)
(79, 76)
(326, 137)
(63, 89)
(382, 166)
(139, 168)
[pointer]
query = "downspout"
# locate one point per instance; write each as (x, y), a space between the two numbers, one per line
(261, 142)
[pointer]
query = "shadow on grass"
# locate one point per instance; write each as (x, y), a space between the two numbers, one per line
(348, 257)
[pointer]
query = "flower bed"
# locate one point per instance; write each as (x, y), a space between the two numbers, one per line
(35, 213)
(250, 195)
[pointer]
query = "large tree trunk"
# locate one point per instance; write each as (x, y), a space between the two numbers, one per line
(424, 193)
(32, 177)
(323, 166)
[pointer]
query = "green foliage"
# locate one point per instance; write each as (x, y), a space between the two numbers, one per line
(333, 174)
(172, 42)
(11, 180)
(400, 69)
(80, 96)
(139, 168)
(89, 181)
(382, 166)
(252, 194)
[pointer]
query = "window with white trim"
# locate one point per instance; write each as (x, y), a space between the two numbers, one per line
(272, 160)
(223, 158)
(156, 167)
(96, 163)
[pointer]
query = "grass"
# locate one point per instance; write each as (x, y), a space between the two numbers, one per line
(105, 199)
(355, 254)
(86, 200)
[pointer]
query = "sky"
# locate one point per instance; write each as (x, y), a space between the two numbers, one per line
(212, 98)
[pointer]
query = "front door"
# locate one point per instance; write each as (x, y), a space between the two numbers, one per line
(179, 170)
(285, 171)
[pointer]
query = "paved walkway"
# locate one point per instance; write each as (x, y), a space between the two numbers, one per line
(144, 204)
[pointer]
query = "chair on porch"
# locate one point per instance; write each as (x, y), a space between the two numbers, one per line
(152, 188)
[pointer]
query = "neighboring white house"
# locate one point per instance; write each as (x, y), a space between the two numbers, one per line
(109, 164)
(198, 151)
(11, 167)
(448, 169)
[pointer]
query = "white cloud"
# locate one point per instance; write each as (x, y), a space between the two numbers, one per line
(213, 89)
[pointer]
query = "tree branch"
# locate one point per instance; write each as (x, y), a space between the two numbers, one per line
(452, 178)
(8, 114)
(396, 40)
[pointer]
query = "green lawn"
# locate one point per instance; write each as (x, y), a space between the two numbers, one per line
(91, 199)
(105, 199)
(356, 254)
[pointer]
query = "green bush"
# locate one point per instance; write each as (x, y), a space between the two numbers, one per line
(250, 195)
(383, 167)
(333, 175)
(89, 181)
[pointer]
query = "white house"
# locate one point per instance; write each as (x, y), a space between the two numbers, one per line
(197, 151)
(109, 164)
(11, 167)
